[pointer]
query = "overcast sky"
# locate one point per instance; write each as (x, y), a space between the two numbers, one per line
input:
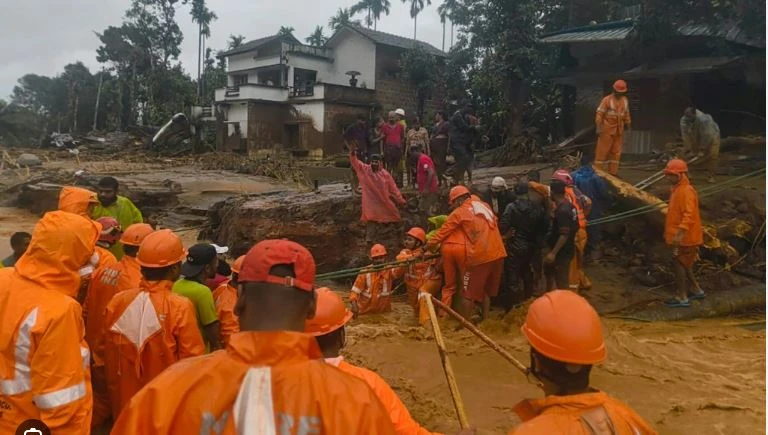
(41, 36)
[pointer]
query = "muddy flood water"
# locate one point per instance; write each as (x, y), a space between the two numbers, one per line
(696, 377)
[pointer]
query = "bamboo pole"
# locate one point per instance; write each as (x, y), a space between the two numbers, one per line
(486, 339)
(457, 402)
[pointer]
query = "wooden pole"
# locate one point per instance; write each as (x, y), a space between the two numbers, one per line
(457, 402)
(493, 345)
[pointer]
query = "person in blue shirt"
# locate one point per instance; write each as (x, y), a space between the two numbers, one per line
(593, 186)
(19, 243)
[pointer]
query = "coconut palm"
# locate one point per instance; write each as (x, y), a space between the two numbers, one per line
(317, 38)
(416, 7)
(235, 41)
(285, 30)
(374, 9)
(342, 17)
(447, 11)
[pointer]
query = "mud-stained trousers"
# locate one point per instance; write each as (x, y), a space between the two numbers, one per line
(577, 279)
(608, 152)
(455, 269)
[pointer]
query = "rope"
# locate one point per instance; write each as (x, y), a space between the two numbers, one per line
(373, 268)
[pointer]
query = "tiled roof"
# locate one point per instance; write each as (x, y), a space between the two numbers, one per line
(384, 38)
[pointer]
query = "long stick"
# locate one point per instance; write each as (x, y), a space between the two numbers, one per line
(457, 402)
(473, 329)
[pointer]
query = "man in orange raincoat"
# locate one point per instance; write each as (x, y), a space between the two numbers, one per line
(611, 119)
(327, 326)
(271, 378)
(106, 283)
(566, 340)
(149, 328)
(422, 276)
(380, 196)
(475, 250)
(225, 298)
(372, 290)
(683, 232)
(44, 358)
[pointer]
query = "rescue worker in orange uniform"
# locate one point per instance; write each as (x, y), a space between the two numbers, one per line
(420, 276)
(327, 326)
(78, 201)
(372, 290)
(271, 378)
(611, 119)
(577, 278)
(106, 283)
(480, 262)
(149, 328)
(225, 298)
(566, 340)
(683, 233)
(44, 358)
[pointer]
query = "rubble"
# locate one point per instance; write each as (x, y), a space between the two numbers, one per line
(27, 160)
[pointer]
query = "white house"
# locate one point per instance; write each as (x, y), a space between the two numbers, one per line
(281, 92)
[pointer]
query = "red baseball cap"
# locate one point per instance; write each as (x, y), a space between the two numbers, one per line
(268, 253)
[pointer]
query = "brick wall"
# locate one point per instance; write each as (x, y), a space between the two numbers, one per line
(266, 125)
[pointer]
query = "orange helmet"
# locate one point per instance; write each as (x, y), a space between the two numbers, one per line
(162, 248)
(620, 86)
(135, 233)
(330, 313)
(563, 326)
(457, 191)
(418, 234)
(378, 250)
(676, 166)
(110, 229)
(238, 264)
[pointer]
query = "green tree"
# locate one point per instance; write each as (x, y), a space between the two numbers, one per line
(416, 6)
(203, 17)
(235, 41)
(19, 126)
(285, 30)
(420, 69)
(317, 38)
(373, 10)
(342, 17)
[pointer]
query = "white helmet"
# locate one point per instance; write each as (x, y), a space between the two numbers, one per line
(400, 112)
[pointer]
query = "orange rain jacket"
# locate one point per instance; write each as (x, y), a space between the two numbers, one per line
(612, 115)
(260, 374)
(373, 291)
(380, 193)
(475, 223)
(76, 200)
(567, 415)
(421, 276)
(147, 330)
(43, 356)
(401, 418)
(225, 298)
(683, 214)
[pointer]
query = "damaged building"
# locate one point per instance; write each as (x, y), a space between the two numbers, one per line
(285, 95)
(719, 69)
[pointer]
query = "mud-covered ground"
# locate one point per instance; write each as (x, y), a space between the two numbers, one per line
(703, 376)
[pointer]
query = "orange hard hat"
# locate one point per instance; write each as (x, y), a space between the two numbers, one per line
(563, 326)
(676, 166)
(418, 234)
(110, 229)
(620, 86)
(330, 313)
(378, 250)
(238, 264)
(135, 234)
(162, 248)
(457, 191)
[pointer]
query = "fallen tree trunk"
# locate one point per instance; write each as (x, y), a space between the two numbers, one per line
(634, 198)
(720, 304)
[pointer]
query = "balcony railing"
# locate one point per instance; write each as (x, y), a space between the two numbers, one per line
(309, 50)
(303, 90)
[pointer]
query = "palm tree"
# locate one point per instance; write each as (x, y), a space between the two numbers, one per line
(342, 17)
(373, 8)
(235, 41)
(447, 10)
(203, 17)
(317, 38)
(416, 7)
(285, 30)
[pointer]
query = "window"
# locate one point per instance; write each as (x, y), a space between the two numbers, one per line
(240, 79)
